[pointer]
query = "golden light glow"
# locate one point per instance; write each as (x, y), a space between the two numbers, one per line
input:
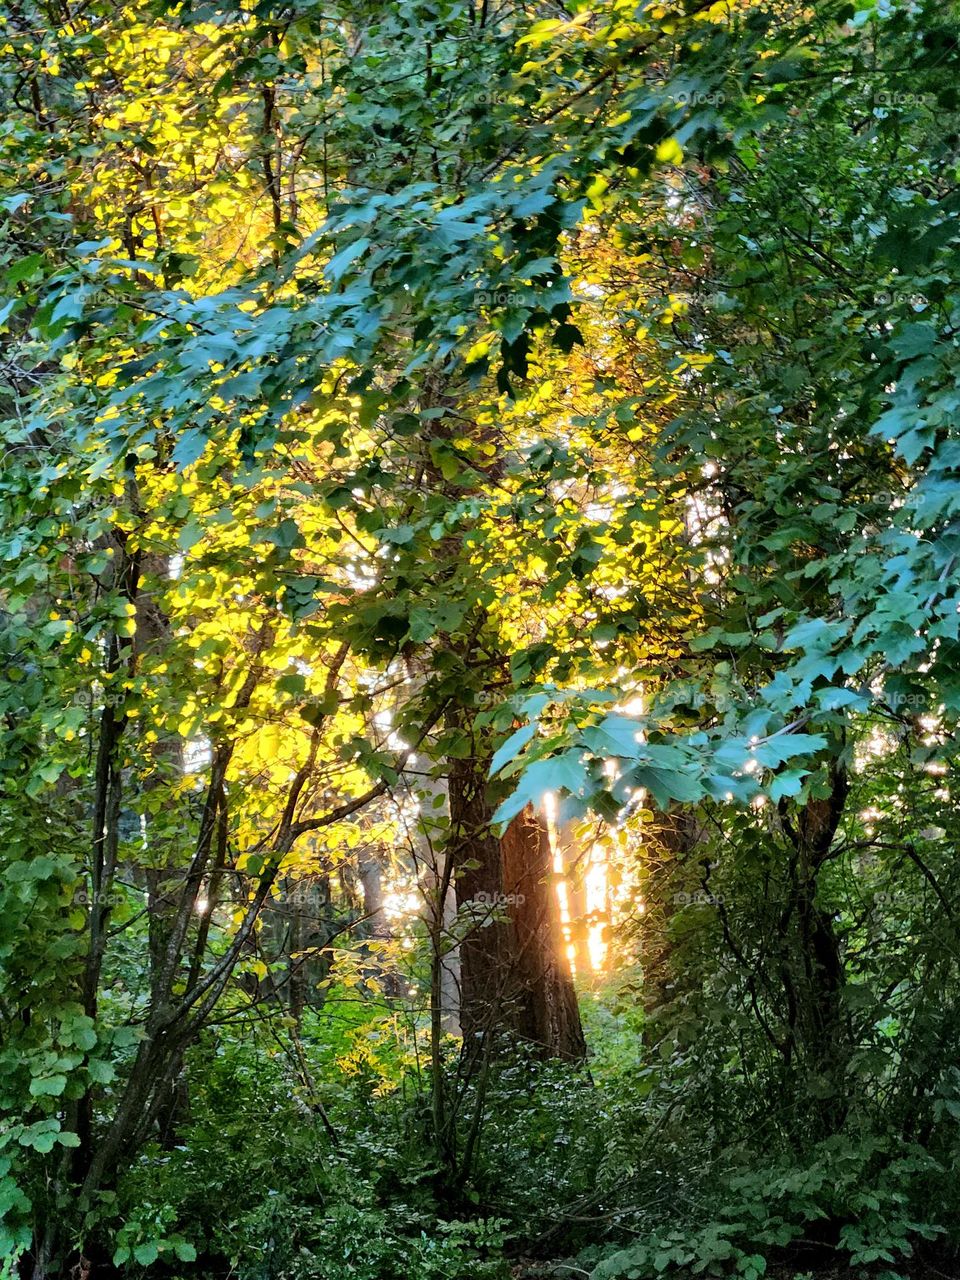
(563, 895)
(595, 891)
(595, 884)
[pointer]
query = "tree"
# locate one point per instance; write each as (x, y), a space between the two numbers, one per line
(489, 400)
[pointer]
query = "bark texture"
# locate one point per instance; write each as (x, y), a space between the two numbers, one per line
(667, 853)
(514, 973)
(544, 1008)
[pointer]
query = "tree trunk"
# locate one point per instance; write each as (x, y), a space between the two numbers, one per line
(666, 855)
(371, 885)
(544, 1008)
(514, 973)
(484, 949)
(814, 980)
(449, 964)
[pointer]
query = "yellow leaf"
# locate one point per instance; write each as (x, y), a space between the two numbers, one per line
(270, 742)
(669, 151)
(596, 189)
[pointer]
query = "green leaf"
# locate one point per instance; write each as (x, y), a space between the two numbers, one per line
(512, 747)
(101, 1072)
(48, 1086)
(787, 783)
(337, 266)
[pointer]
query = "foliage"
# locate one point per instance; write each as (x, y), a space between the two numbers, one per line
(397, 394)
(852, 1199)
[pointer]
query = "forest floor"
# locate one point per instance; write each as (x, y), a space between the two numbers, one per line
(918, 1269)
